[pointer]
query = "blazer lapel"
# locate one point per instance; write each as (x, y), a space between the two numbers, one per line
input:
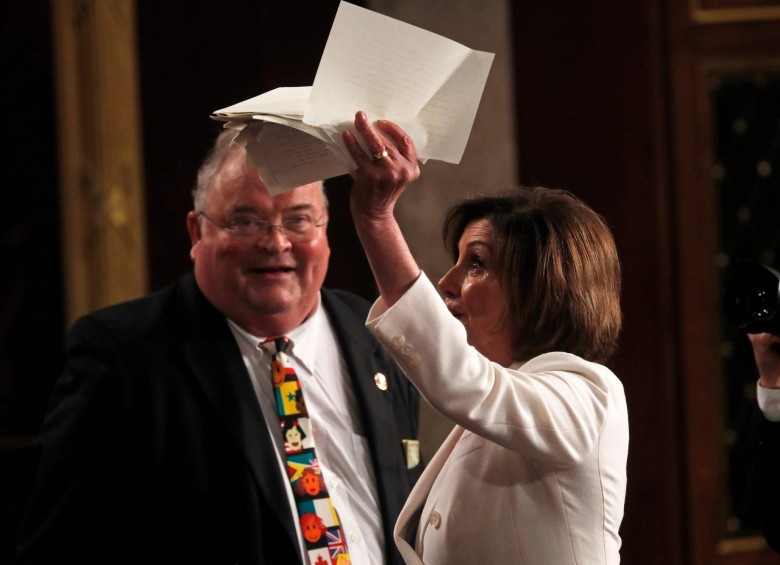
(214, 358)
(362, 357)
(409, 519)
(375, 406)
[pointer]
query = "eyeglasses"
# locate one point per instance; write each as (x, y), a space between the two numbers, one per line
(296, 228)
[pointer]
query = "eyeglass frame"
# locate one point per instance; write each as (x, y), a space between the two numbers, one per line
(257, 224)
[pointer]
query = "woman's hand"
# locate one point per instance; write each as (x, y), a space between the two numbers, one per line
(380, 180)
(766, 350)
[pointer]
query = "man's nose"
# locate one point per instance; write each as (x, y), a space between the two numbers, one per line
(274, 239)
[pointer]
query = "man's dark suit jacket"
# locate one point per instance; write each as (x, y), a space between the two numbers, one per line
(155, 449)
(765, 475)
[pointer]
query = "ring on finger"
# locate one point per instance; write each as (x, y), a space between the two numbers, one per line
(379, 156)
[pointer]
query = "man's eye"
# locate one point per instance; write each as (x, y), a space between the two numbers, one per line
(297, 221)
(243, 222)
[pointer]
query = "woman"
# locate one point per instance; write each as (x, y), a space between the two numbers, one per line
(534, 472)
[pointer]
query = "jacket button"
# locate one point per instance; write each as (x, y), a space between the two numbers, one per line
(435, 519)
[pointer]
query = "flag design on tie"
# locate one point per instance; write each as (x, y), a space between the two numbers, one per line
(320, 525)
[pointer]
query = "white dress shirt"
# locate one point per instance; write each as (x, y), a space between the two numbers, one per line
(342, 450)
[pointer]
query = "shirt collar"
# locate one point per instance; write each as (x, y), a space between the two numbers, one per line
(305, 337)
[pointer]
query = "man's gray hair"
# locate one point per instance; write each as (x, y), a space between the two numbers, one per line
(211, 164)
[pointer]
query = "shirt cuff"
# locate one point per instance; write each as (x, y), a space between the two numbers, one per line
(769, 402)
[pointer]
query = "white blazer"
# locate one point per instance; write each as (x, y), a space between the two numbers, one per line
(535, 470)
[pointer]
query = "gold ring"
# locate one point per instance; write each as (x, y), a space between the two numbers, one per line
(379, 156)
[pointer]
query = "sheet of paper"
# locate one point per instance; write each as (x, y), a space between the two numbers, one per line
(283, 101)
(287, 157)
(428, 84)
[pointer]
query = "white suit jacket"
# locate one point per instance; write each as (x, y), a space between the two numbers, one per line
(535, 470)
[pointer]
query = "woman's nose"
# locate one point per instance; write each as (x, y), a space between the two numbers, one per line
(448, 283)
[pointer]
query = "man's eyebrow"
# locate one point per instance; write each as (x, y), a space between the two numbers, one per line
(250, 209)
(299, 208)
(243, 209)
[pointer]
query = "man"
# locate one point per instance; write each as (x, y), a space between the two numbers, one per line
(765, 436)
(162, 444)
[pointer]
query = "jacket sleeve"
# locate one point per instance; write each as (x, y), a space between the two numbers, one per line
(552, 408)
(765, 475)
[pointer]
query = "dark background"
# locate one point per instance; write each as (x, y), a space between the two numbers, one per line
(631, 105)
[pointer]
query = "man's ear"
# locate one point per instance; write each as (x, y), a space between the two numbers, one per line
(194, 229)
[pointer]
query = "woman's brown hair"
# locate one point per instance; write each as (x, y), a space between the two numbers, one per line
(558, 267)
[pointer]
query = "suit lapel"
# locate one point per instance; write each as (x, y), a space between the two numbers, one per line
(409, 519)
(214, 358)
(361, 355)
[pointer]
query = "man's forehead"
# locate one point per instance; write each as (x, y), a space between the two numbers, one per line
(308, 194)
(259, 201)
(234, 173)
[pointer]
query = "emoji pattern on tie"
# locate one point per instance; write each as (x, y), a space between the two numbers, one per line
(320, 525)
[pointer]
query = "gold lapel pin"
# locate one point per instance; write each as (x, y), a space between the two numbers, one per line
(381, 381)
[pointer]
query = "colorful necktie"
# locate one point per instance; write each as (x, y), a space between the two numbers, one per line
(325, 542)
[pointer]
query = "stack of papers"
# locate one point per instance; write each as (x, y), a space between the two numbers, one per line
(427, 84)
(285, 151)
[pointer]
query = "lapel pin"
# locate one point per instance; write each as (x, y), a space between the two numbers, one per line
(381, 381)
(412, 448)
